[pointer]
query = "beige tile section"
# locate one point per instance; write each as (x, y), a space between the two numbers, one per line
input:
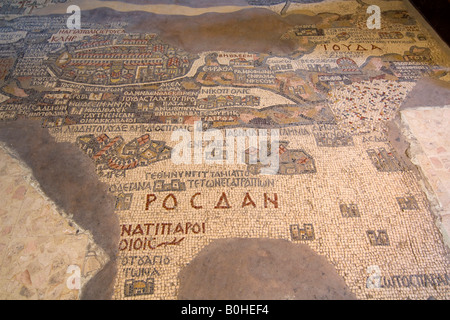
(38, 244)
(429, 133)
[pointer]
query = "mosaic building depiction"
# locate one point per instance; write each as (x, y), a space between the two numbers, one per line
(123, 59)
(123, 156)
(126, 90)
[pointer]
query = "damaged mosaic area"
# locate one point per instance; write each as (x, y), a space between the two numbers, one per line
(118, 89)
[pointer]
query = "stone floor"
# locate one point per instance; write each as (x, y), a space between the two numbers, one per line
(113, 183)
(44, 255)
(429, 131)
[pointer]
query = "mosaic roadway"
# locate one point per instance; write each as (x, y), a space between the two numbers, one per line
(118, 95)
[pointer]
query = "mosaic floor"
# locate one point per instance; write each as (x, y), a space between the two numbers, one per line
(337, 186)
